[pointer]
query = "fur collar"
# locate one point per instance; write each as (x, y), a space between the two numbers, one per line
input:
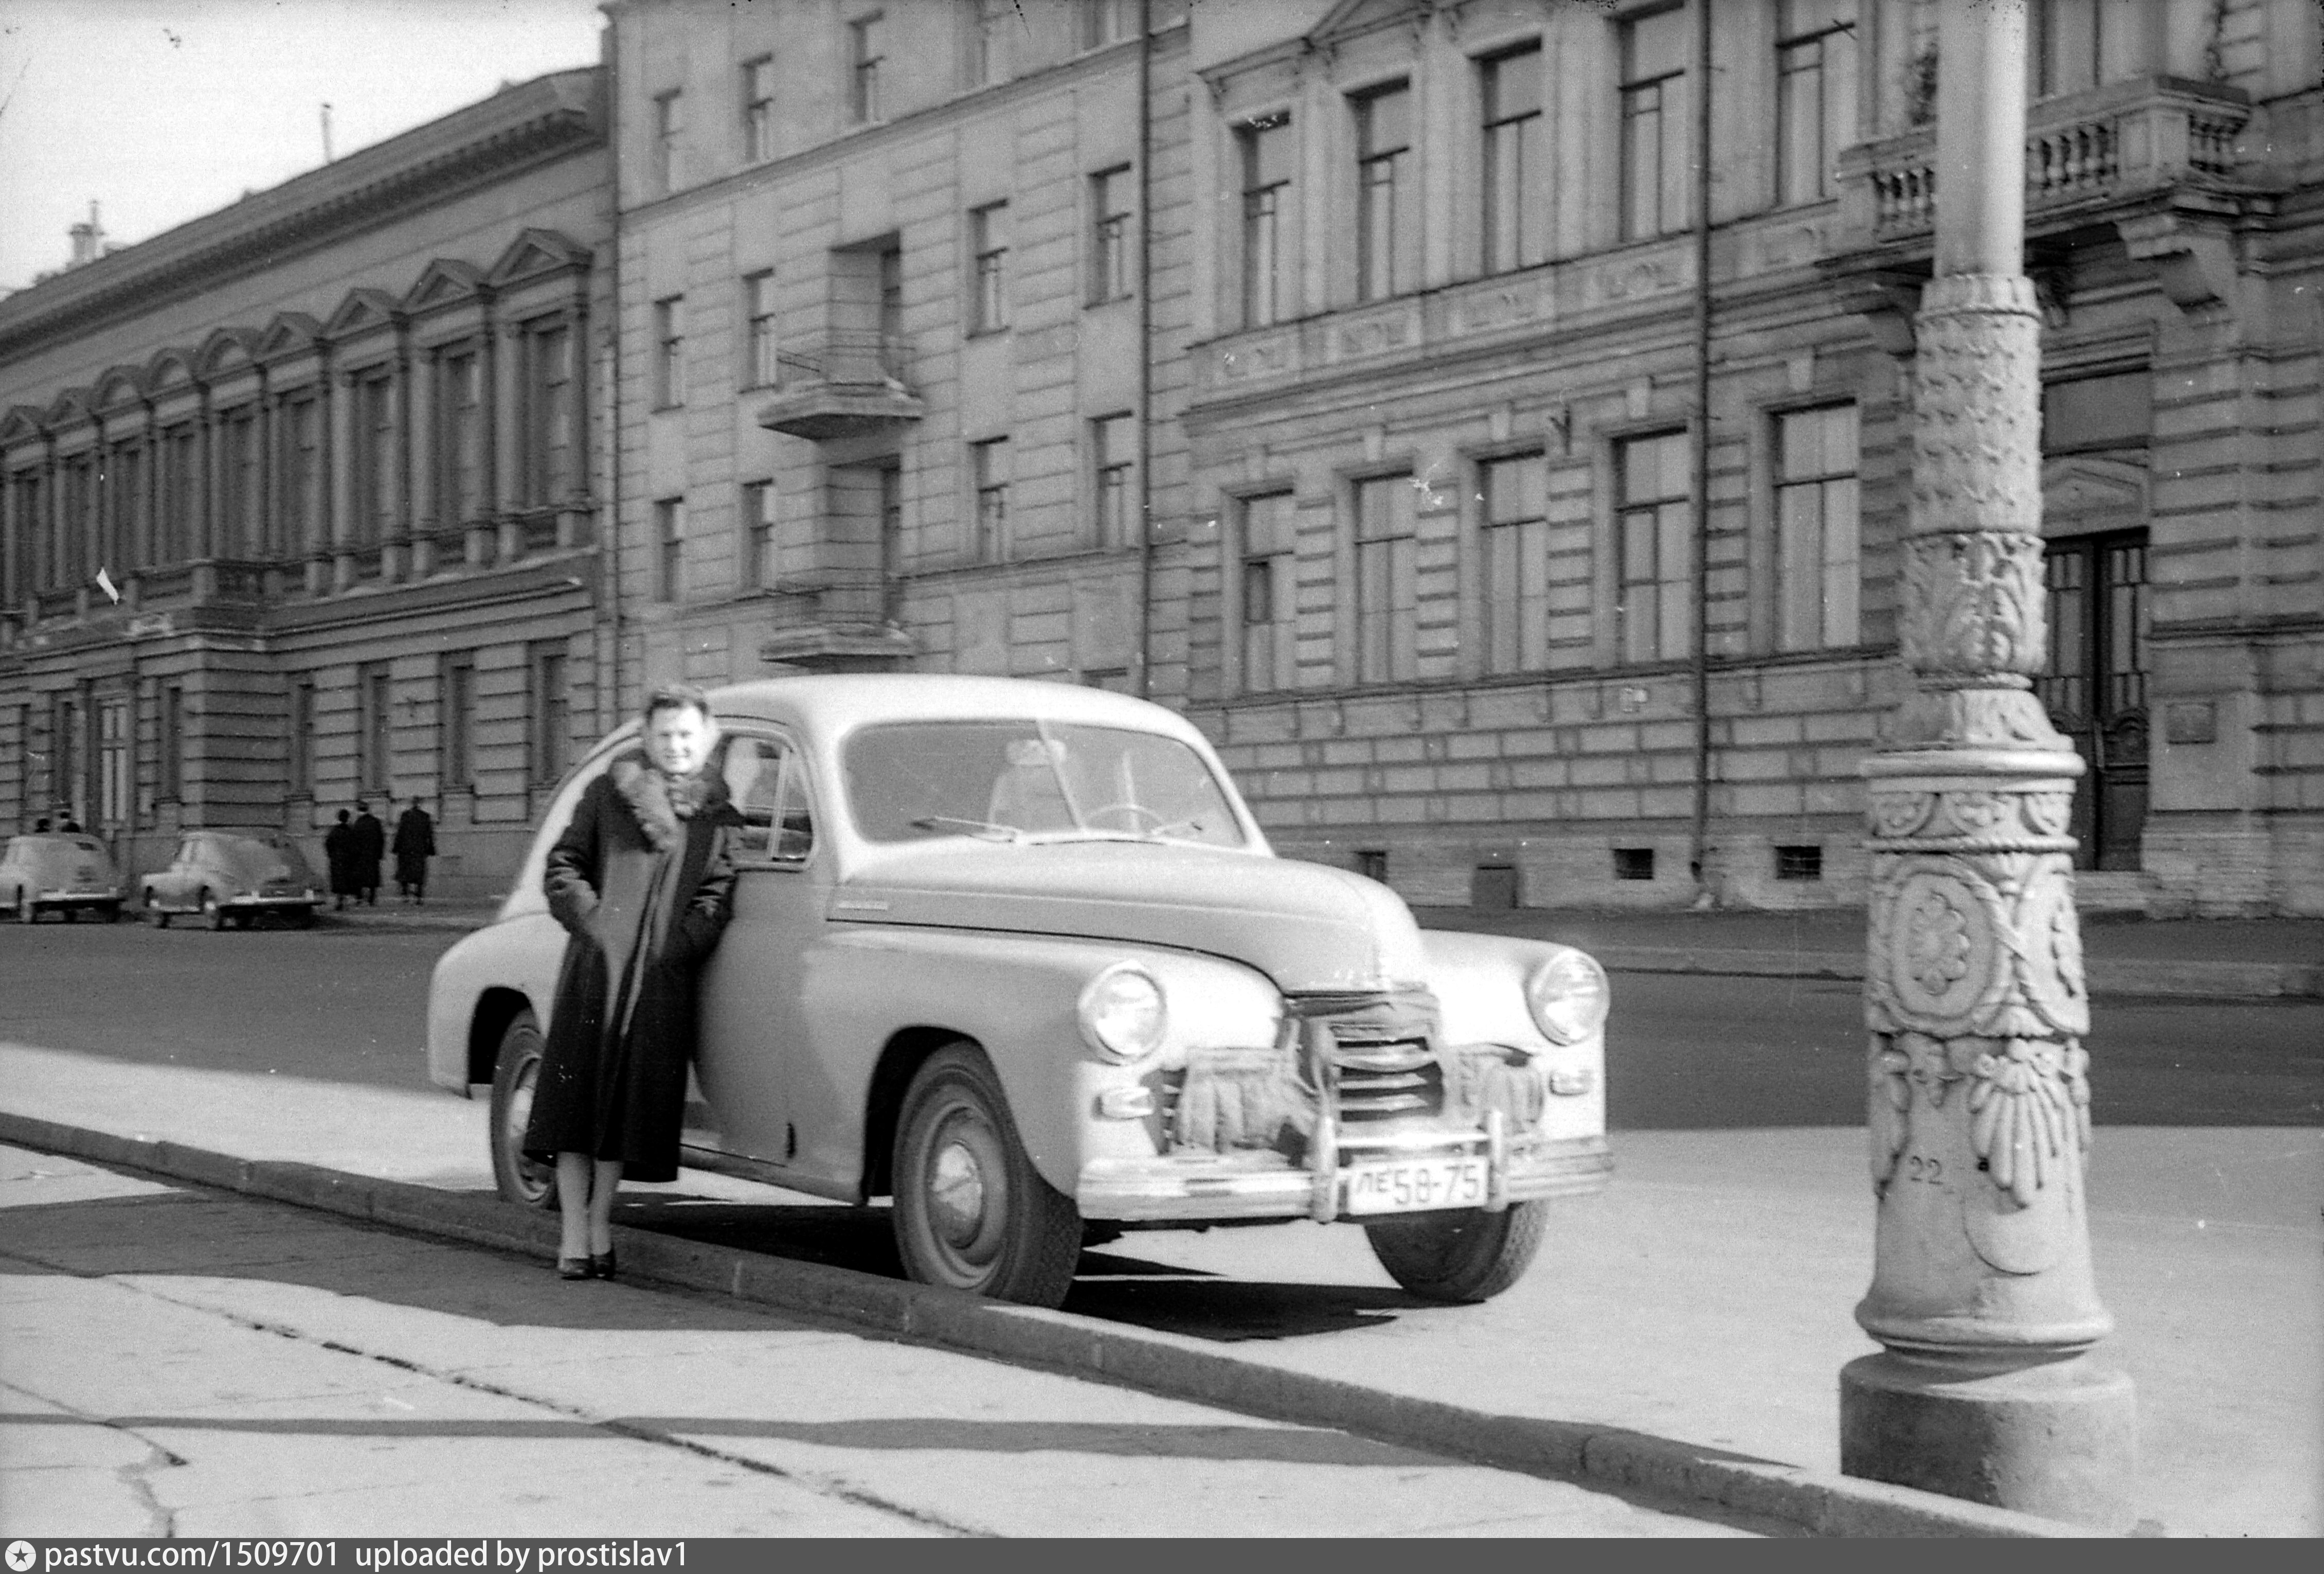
(658, 803)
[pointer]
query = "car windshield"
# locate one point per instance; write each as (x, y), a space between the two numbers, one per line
(57, 852)
(1032, 781)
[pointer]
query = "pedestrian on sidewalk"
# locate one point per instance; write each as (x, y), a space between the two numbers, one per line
(371, 847)
(339, 853)
(643, 880)
(415, 843)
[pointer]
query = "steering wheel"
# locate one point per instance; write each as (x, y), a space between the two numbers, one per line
(1159, 820)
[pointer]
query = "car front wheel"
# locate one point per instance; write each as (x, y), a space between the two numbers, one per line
(515, 1074)
(25, 911)
(212, 913)
(971, 1210)
(1471, 1256)
(155, 913)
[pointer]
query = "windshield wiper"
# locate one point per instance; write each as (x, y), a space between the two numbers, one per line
(984, 830)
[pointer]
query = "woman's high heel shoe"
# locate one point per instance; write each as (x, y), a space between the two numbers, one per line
(601, 1264)
(576, 1267)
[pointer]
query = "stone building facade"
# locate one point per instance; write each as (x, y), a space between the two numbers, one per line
(331, 450)
(1542, 547)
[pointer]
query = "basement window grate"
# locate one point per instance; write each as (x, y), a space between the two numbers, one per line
(1799, 863)
(1634, 863)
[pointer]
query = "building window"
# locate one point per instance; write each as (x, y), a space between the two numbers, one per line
(1111, 197)
(758, 535)
(989, 470)
(1515, 543)
(127, 478)
(302, 482)
(1105, 22)
(2072, 41)
(172, 725)
(867, 45)
(988, 229)
(1383, 185)
(1267, 153)
(760, 369)
(72, 523)
(1654, 529)
(1802, 862)
(456, 703)
(180, 456)
(1516, 159)
(241, 494)
(988, 41)
(374, 460)
(758, 109)
(550, 712)
(1371, 862)
(670, 547)
(1815, 95)
(1270, 594)
(1634, 863)
(669, 126)
(1817, 576)
(459, 400)
(1654, 124)
(1113, 452)
(550, 473)
(374, 699)
(670, 353)
(114, 775)
(28, 499)
(1387, 588)
(300, 744)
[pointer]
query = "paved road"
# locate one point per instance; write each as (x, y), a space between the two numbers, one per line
(1686, 1052)
(188, 1364)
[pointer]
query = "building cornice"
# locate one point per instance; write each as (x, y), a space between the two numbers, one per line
(550, 116)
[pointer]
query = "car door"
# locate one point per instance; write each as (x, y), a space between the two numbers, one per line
(755, 1044)
(172, 887)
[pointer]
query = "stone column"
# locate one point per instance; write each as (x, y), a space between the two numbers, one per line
(346, 489)
(1981, 1292)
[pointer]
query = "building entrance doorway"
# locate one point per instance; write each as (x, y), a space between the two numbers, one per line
(2095, 687)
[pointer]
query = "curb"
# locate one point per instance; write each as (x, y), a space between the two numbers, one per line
(2107, 976)
(1608, 1458)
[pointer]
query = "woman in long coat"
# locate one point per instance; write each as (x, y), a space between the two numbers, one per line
(643, 880)
(339, 853)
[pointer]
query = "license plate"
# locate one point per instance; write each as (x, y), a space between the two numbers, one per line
(1407, 1185)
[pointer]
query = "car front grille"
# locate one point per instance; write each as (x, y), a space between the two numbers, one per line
(1375, 1054)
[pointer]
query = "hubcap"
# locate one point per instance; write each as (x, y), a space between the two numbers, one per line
(956, 1192)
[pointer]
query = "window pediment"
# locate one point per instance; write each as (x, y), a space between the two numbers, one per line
(363, 311)
(70, 408)
(226, 352)
(446, 282)
(170, 372)
(535, 255)
(22, 424)
(120, 388)
(292, 333)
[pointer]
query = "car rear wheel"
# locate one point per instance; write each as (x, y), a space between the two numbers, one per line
(155, 913)
(1471, 1256)
(515, 1074)
(212, 913)
(971, 1210)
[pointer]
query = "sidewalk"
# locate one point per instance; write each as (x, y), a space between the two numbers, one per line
(2198, 958)
(1684, 1334)
(260, 1369)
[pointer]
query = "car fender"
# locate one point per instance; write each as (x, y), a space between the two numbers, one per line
(1479, 981)
(518, 955)
(1018, 996)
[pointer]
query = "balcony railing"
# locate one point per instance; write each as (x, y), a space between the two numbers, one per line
(2122, 141)
(845, 383)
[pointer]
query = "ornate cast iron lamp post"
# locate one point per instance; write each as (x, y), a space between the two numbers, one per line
(1981, 1291)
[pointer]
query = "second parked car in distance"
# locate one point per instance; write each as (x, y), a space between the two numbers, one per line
(232, 877)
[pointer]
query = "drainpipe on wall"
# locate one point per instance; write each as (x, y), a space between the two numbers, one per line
(609, 537)
(1700, 850)
(1145, 350)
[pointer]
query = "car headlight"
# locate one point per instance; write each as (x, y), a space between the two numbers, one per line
(1568, 997)
(1122, 1013)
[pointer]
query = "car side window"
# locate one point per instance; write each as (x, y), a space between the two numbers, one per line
(765, 775)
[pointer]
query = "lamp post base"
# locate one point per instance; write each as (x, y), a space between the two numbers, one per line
(2058, 1439)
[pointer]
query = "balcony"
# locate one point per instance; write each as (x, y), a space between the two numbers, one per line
(844, 384)
(2152, 161)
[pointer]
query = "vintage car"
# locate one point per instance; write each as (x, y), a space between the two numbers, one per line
(1017, 955)
(232, 877)
(69, 873)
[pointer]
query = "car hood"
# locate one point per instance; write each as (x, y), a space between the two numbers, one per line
(1308, 927)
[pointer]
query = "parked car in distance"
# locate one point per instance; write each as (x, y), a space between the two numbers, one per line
(232, 877)
(1017, 956)
(59, 872)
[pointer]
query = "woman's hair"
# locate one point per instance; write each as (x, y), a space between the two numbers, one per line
(675, 697)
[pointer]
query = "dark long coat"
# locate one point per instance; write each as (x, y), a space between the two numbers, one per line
(415, 843)
(643, 894)
(370, 847)
(339, 853)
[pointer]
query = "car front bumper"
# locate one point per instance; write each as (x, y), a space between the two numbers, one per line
(268, 903)
(1197, 1187)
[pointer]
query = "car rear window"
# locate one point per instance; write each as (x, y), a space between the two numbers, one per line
(1001, 778)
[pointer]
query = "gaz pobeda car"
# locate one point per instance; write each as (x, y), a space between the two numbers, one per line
(232, 877)
(1015, 955)
(57, 871)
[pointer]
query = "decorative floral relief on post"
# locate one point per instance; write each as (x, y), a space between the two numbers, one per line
(1974, 605)
(1891, 815)
(2050, 949)
(2028, 1114)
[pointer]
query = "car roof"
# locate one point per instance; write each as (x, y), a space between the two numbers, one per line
(839, 701)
